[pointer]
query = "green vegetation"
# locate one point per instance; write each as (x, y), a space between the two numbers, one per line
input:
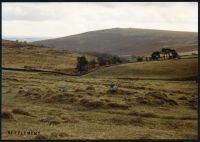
(82, 64)
(166, 69)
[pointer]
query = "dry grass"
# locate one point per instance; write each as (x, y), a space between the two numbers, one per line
(38, 57)
(41, 137)
(136, 121)
(21, 112)
(156, 99)
(51, 120)
(91, 103)
(69, 119)
(154, 109)
(57, 135)
(66, 111)
(90, 88)
(117, 105)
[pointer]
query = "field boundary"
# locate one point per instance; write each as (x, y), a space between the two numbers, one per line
(189, 78)
(37, 70)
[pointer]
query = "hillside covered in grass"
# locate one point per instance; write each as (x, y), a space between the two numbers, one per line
(169, 69)
(125, 41)
(28, 56)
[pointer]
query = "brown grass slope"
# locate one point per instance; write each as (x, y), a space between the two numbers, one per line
(23, 55)
(124, 41)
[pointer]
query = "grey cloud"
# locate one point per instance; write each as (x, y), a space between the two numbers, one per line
(28, 12)
(56, 19)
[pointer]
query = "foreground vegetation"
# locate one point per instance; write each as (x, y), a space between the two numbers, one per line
(154, 99)
(142, 109)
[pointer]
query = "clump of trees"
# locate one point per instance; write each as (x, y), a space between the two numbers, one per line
(166, 52)
(83, 65)
(155, 55)
(139, 59)
(92, 64)
(108, 60)
(105, 59)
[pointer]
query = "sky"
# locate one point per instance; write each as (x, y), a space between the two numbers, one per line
(63, 19)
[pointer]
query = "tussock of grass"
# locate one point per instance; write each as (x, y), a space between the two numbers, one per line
(41, 137)
(51, 120)
(79, 90)
(21, 112)
(33, 93)
(102, 103)
(182, 98)
(117, 105)
(156, 99)
(105, 100)
(90, 88)
(90, 94)
(91, 103)
(192, 103)
(120, 92)
(47, 96)
(55, 98)
(67, 119)
(136, 121)
(58, 135)
(144, 114)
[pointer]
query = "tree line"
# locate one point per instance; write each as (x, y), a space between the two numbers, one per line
(165, 53)
(103, 59)
(83, 65)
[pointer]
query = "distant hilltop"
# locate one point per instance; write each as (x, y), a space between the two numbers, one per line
(27, 39)
(125, 41)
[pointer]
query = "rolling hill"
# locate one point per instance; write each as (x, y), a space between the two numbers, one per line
(125, 41)
(22, 55)
(182, 69)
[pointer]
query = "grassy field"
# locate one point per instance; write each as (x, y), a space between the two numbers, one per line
(72, 107)
(141, 109)
(167, 69)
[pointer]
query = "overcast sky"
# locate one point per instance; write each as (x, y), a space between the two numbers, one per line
(62, 19)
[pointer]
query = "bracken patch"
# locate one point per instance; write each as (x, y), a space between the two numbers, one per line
(6, 115)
